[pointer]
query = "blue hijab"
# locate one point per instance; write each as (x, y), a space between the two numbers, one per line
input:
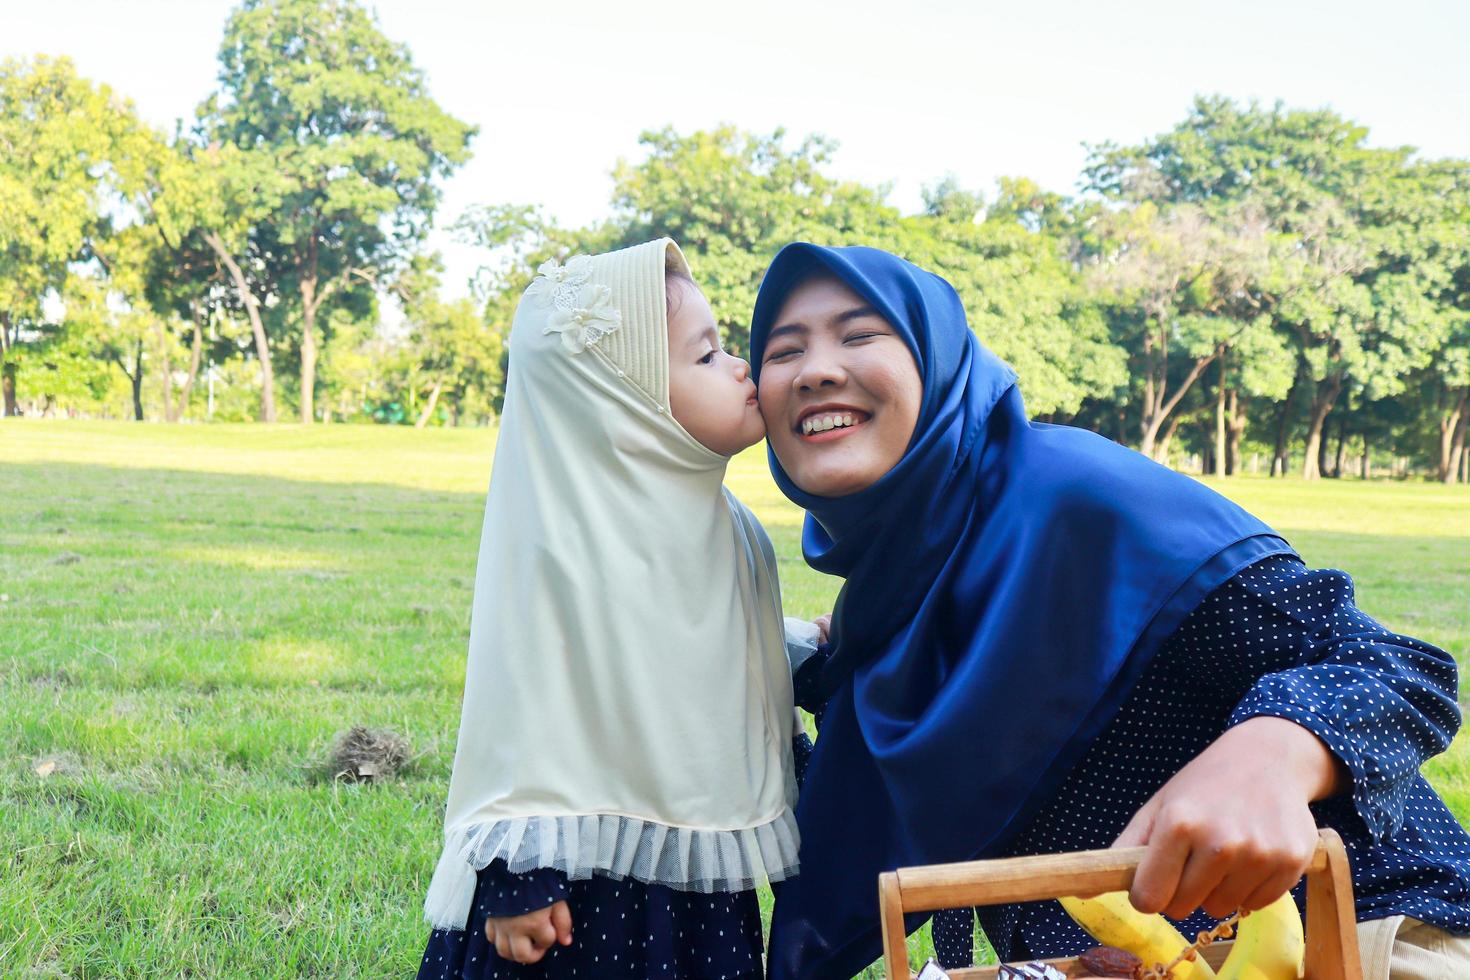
(1006, 584)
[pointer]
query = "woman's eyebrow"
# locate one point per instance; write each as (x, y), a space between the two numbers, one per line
(856, 313)
(785, 329)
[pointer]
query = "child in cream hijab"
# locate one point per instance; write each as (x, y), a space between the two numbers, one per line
(624, 773)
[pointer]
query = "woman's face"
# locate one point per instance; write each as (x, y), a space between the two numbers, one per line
(839, 390)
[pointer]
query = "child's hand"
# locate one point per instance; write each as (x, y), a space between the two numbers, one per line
(824, 626)
(526, 938)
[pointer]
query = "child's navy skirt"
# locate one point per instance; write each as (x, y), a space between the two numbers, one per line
(621, 930)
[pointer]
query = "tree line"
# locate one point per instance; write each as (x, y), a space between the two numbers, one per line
(1258, 288)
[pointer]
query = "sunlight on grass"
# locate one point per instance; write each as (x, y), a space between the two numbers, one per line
(263, 559)
(280, 659)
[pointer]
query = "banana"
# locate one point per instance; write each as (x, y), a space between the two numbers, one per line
(1269, 944)
(1113, 921)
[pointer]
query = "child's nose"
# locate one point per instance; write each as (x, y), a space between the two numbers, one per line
(742, 368)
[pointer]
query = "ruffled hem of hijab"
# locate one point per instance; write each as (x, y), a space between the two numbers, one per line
(683, 858)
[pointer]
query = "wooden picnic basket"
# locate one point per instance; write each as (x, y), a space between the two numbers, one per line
(1331, 923)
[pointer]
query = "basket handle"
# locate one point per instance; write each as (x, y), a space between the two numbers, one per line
(1331, 926)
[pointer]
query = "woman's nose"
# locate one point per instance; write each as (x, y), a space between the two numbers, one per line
(818, 370)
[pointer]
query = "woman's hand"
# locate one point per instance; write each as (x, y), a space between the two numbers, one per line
(1232, 829)
(824, 627)
(526, 938)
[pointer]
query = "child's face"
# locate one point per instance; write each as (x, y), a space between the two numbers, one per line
(710, 391)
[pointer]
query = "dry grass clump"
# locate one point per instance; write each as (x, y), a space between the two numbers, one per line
(360, 754)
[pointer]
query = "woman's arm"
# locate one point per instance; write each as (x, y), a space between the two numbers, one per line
(1359, 713)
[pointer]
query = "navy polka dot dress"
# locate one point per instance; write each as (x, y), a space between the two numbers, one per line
(620, 929)
(1283, 640)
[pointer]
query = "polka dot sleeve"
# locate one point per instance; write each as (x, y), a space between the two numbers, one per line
(1382, 702)
(510, 894)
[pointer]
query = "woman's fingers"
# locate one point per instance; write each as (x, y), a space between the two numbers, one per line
(1157, 879)
(1287, 871)
(1213, 876)
(1136, 834)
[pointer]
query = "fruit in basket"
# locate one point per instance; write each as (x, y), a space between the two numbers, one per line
(1112, 920)
(1269, 944)
(1110, 961)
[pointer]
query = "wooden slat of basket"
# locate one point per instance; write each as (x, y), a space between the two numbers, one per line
(1331, 928)
(1027, 879)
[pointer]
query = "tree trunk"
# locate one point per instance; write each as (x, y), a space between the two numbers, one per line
(1155, 415)
(1220, 468)
(1283, 426)
(165, 373)
(1163, 444)
(1451, 427)
(1235, 421)
(7, 368)
(308, 342)
(1341, 447)
(1322, 403)
(1457, 452)
(257, 328)
(1365, 469)
(7, 383)
(428, 411)
(196, 355)
(137, 379)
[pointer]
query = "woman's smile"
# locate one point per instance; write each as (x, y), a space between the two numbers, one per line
(828, 423)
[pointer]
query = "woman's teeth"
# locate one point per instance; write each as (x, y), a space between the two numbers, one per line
(821, 423)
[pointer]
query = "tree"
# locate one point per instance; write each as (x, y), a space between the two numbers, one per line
(1022, 292)
(73, 158)
(314, 94)
(1359, 316)
(1184, 284)
(452, 351)
(731, 200)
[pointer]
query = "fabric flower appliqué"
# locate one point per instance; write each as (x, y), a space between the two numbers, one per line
(582, 311)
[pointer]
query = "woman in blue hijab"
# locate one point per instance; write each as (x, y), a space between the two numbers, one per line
(1047, 642)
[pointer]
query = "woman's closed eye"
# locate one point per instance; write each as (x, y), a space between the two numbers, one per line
(781, 354)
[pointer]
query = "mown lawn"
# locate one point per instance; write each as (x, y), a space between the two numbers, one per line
(189, 614)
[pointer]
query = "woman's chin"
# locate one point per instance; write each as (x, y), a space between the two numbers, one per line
(831, 481)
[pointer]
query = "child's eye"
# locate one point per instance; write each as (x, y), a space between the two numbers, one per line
(708, 358)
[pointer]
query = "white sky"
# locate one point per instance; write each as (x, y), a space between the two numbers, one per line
(912, 90)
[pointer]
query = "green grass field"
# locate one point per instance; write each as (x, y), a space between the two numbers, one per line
(190, 614)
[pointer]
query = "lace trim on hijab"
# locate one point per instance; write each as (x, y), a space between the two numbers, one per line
(613, 847)
(582, 311)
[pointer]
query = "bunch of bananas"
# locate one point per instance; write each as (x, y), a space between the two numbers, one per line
(1269, 945)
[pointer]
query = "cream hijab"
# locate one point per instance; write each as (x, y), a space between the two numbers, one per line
(627, 707)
